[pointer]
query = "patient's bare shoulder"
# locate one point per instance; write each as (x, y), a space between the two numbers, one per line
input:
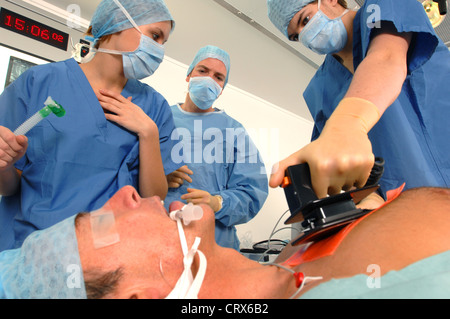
(412, 227)
(415, 225)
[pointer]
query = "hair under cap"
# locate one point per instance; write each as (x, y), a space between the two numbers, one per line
(47, 266)
(109, 18)
(281, 12)
(214, 52)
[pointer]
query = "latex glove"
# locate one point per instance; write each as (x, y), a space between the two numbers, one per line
(198, 196)
(372, 202)
(342, 156)
(177, 178)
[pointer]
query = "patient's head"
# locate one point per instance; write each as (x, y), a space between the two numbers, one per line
(147, 260)
(65, 261)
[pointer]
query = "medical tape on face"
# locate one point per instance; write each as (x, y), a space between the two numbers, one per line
(187, 213)
(103, 226)
(187, 287)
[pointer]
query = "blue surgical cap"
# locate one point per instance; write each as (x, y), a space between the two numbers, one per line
(47, 266)
(109, 18)
(214, 52)
(281, 12)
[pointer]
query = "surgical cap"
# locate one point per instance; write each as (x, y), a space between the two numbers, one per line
(47, 266)
(109, 18)
(214, 52)
(281, 12)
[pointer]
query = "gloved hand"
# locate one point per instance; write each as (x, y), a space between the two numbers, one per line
(198, 196)
(371, 202)
(342, 156)
(177, 178)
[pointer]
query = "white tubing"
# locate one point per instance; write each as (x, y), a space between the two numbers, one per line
(28, 124)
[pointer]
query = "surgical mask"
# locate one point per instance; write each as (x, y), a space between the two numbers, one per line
(204, 91)
(187, 287)
(324, 35)
(145, 60)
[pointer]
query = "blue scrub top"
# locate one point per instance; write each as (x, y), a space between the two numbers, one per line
(412, 135)
(225, 162)
(77, 162)
(2, 291)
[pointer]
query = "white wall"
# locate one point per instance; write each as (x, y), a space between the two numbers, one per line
(276, 132)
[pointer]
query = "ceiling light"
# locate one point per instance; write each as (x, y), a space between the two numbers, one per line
(432, 9)
(72, 20)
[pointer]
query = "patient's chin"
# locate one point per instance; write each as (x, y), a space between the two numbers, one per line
(208, 214)
(175, 206)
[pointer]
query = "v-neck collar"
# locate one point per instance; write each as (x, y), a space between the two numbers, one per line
(90, 96)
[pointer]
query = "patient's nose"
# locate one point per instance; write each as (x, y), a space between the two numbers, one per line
(127, 196)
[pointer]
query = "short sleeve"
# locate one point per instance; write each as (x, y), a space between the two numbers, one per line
(166, 126)
(405, 16)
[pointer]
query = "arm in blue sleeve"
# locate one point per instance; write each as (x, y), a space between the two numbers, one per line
(166, 125)
(247, 186)
(404, 16)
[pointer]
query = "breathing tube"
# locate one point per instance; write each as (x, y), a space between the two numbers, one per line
(50, 106)
(187, 287)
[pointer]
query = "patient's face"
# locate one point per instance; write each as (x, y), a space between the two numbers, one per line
(148, 237)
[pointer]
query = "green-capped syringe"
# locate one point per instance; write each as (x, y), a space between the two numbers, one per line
(51, 106)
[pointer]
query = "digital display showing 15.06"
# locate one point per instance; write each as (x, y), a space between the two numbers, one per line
(30, 28)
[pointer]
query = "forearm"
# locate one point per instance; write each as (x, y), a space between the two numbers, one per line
(152, 179)
(380, 76)
(9, 182)
(379, 82)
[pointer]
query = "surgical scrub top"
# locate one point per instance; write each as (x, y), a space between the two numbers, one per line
(225, 162)
(2, 291)
(412, 135)
(77, 162)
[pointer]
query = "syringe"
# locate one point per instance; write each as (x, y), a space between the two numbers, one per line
(51, 106)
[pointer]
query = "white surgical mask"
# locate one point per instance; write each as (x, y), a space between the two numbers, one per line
(324, 35)
(204, 91)
(145, 60)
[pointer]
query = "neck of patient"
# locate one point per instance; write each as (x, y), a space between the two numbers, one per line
(230, 275)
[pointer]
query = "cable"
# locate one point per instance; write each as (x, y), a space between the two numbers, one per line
(265, 251)
(269, 249)
(303, 279)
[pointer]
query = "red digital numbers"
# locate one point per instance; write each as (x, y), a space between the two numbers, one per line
(57, 37)
(8, 20)
(33, 29)
(19, 25)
